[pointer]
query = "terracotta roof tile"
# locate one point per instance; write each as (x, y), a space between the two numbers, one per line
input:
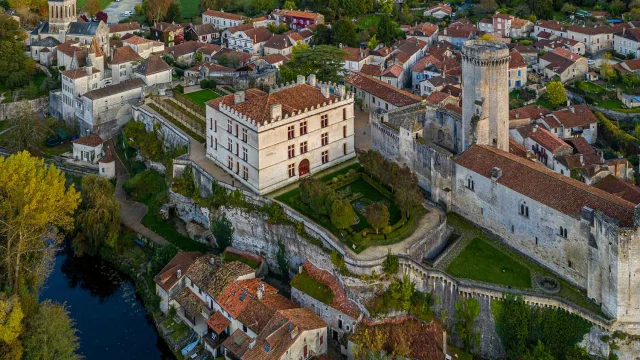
(75, 74)
(575, 116)
(237, 343)
(92, 140)
(581, 145)
(259, 34)
(124, 54)
(620, 188)
(539, 183)
(218, 323)
(298, 14)
(167, 277)
(516, 61)
(517, 149)
(545, 138)
(382, 90)
(132, 26)
(153, 65)
(531, 112)
(340, 300)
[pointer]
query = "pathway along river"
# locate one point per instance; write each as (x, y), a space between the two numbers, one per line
(109, 316)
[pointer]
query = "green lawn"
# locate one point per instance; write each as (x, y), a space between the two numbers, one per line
(591, 87)
(228, 256)
(483, 262)
(369, 21)
(312, 287)
(202, 96)
(615, 104)
(369, 194)
(149, 187)
(103, 4)
(189, 8)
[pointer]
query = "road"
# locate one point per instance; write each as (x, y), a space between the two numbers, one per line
(115, 9)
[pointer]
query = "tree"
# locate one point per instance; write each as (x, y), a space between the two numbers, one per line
(391, 264)
(50, 334)
(386, 31)
(263, 6)
(405, 16)
(11, 327)
(98, 221)
(556, 93)
(617, 7)
(173, 13)
(543, 9)
(26, 129)
(322, 35)
(289, 5)
(342, 214)
(486, 37)
(538, 353)
(35, 204)
(386, 6)
(569, 8)
(467, 313)
(223, 232)
(155, 10)
(344, 32)
(635, 4)
(377, 216)
(512, 324)
(91, 7)
(407, 194)
(161, 257)
(318, 195)
(323, 60)
(606, 69)
(13, 59)
(103, 16)
(373, 43)
(197, 57)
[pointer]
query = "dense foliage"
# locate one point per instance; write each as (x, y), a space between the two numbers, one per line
(223, 232)
(98, 221)
(323, 60)
(402, 295)
(618, 139)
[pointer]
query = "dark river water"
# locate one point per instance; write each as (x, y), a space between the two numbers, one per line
(110, 317)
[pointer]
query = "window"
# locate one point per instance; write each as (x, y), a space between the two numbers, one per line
(563, 232)
(236, 130)
(344, 131)
(344, 113)
(325, 139)
(512, 229)
(244, 328)
(321, 339)
(303, 147)
(245, 173)
(216, 146)
(291, 132)
(303, 128)
(229, 162)
(339, 323)
(536, 240)
(344, 148)
(569, 264)
(229, 126)
(325, 156)
(244, 135)
(245, 155)
(292, 170)
(470, 184)
(324, 121)
(524, 209)
(229, 144)
(291, 151)
(211, 142)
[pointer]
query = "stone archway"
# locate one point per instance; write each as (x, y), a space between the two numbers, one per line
(303, 167)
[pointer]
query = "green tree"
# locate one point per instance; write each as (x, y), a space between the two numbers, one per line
(197, 58)
(35, 204)
(92, 7)
(538, 353)
(155, 10)
(26, 129)
(223, 232)
(263, 6)
(173, 13)
(344, 32)
(405, 16)
(467, 312)
(606, 68)
(323, 60)
(373, 42)
(569, 8)
(50, 334)
(386, 30)
(543, 9)
(407, 194)
(386, 6)
(377, 216)
(512, 324)
(342, 214)
(161, 257)
(98, 221)
(289, 5)
(556, 93)
(13, 59)
(617, 7)
(391, 264)
(11, 327)
(322, 35)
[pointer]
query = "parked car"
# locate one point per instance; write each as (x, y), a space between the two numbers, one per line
(591, 62)
(127, 13)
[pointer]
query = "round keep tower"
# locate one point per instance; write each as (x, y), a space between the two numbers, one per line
(485, 94)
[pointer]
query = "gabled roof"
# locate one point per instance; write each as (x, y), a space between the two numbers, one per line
(49, 41)
(546, 139)
(275, 58)
(575, 116)
(223, 15)
(551, 24)
(605, 29)
(187, 47)
(259, 34)
(297, 13)
(85, 29)
(424, 29)
(210, 49)
(394, 71)
(203, 29)
(168, 276)
(114, 89)
(620, 188)
(545, 186)
(516, 61)
(153, 65)
(279, 42)
(75, 74)
(382, 90)
(212, 67)
(92, 140)
(124, 54)
(241, 27)
(132, 26)
(531, 112)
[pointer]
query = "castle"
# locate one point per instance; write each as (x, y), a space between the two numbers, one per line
(589, 237)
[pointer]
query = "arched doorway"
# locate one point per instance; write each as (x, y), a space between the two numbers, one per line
(303, 167)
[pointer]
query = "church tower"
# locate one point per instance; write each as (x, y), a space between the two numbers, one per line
(61, 14)
(485, 94)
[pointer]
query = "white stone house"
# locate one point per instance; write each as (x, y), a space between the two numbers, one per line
(545, 146)
(439, 11)
(170, 280)
(123, 63)
(250, 41)
(43, 51)
(144, 47)
(517, 70)
(550, 26)
(222, 20)
(595, 39)
(267, 141)
(154, 71)
(76, 83)
(88, 149)
(123, 29)
(574, 121)
(562, 63)
(627, 42)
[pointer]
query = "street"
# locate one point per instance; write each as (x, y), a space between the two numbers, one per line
(115, 9)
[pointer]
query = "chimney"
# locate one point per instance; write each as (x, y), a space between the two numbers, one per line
(294, 332)
(581, 159)
(496, 173)
(276, 111)
(238, 98)
(89, 70)
(341, 91)
(300, 79)
(325, 90)
(572, 109)
(260, 291)
(535, 128)
(311, 80)
(179, 273)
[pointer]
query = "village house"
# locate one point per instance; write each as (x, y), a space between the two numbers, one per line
(154, 71)
(185, 52)
(231, 58)
(249, 41)
(378, 94)
(458, 32)
(437, 83)
(44, 51)
(517, 70)
(229, 32)
(205, 33)
(76, 83)
(574, 121)
(430, 67)
(209, 71)
(169, 34)
(123, 63)
(122, 29)
(507, 26)
(297, 19)
(392, 75)
(545, 146)
(169, 281)
(595, 39)
(564, 64)
(424, 32)
(208, 51)
(573, 46)
(526, 115)
(552, 27)
(628, 66)
(88, 149)
(245, 133)
(439, 11)
(222, 20)
(355, 58)
(87, 33)
(275, 60)
(627, 42)
(529, 53)
(144, 47)
(280, 44)
(616, 186)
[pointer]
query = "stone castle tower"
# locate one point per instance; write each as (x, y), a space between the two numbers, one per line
(61, 14)
(485, 94)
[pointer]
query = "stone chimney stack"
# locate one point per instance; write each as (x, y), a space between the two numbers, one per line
(535, 128)
(341, 91)
(311, 80)
(300, 79)
(276, 111)
(179, 273)
(260, 292)
(238, 98)
(325, 90)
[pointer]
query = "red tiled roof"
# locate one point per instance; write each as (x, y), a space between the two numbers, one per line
(581, 145)
(341, 300)
(581, 115)
(168, 276)
(620, 188)
(75, 74)
(517, 149)
(259, 34)
(436, 97)
(233, 299)
(548, 140)
(135, 39)
(241, 27)
(132, 26)
(528, 112)
(516, 61)
(275, 58)
(92, 140)
(393, 71)
(153, 65)
(355, 54)
(382, 90)
(298, 14)
(539, 183)
(217, 322)
(124, 54)
(223, 15)
(551, 24)
(588, 30)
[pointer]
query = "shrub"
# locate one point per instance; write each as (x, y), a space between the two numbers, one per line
(391, 264)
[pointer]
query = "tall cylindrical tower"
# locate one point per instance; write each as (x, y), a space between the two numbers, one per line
(485, 94)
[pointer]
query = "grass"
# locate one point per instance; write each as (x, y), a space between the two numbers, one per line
(468, 230)
(202, 96)
(369, 21)
(189, 8)
(149, 188)
(481, 261)
(312, 287)
(615, 104)
(591, 87)
(177, 123)
(368, 192)
(103, 4)
(64, 147)
(229, 257)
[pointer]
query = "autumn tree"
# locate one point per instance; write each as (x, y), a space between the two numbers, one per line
(606, 69)
(373, 42)
(35, 205)
(377, 216)
(368, 341)
(556, 93)
(92, 7)
(11, 327)
(27, 129)
(342, 214)
(98, 221)
(50, 334)
(156, 10)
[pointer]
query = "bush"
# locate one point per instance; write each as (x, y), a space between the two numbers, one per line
(617, 138)
(391, 264)
(208, 84)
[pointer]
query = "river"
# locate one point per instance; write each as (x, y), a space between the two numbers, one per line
(109, 316)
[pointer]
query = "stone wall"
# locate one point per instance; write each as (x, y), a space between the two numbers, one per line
(38, 105)
(172, 136)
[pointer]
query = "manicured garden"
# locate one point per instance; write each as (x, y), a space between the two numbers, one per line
(202, 96)
(312, 287)
(374, 205)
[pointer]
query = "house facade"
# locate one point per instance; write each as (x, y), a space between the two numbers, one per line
(297, 19)
(222, 20)
(627, 42)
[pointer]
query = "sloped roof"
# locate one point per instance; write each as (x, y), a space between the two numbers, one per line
(203, 29)
(259, 34)
(49, 41)
(382, 90)
(168, 276)
(124, 54)
(620, 188)
(223, 15)
(92, 140)
(75, 74)
(114, 89)
(152, 65)
(574, 116)
(279, 41)
(86, 28)
(516, 61)
(131, 26)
